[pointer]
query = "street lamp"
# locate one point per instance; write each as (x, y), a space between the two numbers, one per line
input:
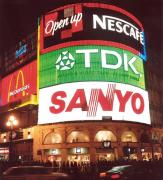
(12, 121)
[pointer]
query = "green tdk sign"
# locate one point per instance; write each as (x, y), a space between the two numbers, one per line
(91, 63)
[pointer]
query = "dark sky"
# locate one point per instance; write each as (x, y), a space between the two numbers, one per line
(19, 18)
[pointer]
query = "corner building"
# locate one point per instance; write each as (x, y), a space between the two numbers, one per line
(93, 103)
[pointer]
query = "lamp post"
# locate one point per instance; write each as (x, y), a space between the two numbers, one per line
(142, 151)
(12, 121)
(128, 150)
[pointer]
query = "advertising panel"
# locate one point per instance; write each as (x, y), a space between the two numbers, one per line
(91, 63)
(23, 52)
(108, 25)
(19, 84)
(93, 101)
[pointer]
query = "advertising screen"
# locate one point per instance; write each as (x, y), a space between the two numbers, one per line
(93, 101)
(19, 84)
(23, 52)
(91, 63)
(108, 25)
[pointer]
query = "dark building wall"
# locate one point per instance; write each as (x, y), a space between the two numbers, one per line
(26, 116)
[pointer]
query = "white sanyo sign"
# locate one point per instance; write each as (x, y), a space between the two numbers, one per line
(93, 101)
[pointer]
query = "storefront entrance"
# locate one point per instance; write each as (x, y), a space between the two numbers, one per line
(105, 156)
(55, 158)
(79, 154)
(4, 153)
(146, 156)
(79, 158)
(52, 155)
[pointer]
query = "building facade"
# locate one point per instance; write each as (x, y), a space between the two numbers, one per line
(82, 92)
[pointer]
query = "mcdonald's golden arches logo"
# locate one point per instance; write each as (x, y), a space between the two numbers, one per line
(17, 90)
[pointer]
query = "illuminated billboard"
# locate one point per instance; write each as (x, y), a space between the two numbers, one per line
(23, 52)
(108, 25)
(20, 84)
(91, 63)
(93, 101)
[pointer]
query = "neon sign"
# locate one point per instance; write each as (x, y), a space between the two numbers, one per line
(118, 25)
(19, 84)
(52, 26)
(91, 63)
(93, 101)
(22, 50)
(20, 54)
(108, 25)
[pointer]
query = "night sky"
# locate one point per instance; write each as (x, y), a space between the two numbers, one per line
(18, 18)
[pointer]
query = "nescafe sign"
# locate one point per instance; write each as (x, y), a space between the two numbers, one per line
(92, 23)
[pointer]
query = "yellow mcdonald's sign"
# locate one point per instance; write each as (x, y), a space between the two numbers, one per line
(16, 90)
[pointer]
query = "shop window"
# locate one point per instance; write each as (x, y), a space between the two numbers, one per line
(77, 136)
(52, 138)
(144, 138)
(155, 137)
(105, 135)
(128, 136)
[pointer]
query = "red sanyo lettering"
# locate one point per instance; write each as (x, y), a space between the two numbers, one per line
(79, 101)
(140, 109)
(82, 102)
(105, 102)
(123, 99)
(58, 102)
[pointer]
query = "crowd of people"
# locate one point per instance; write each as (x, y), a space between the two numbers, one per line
(88, 169)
